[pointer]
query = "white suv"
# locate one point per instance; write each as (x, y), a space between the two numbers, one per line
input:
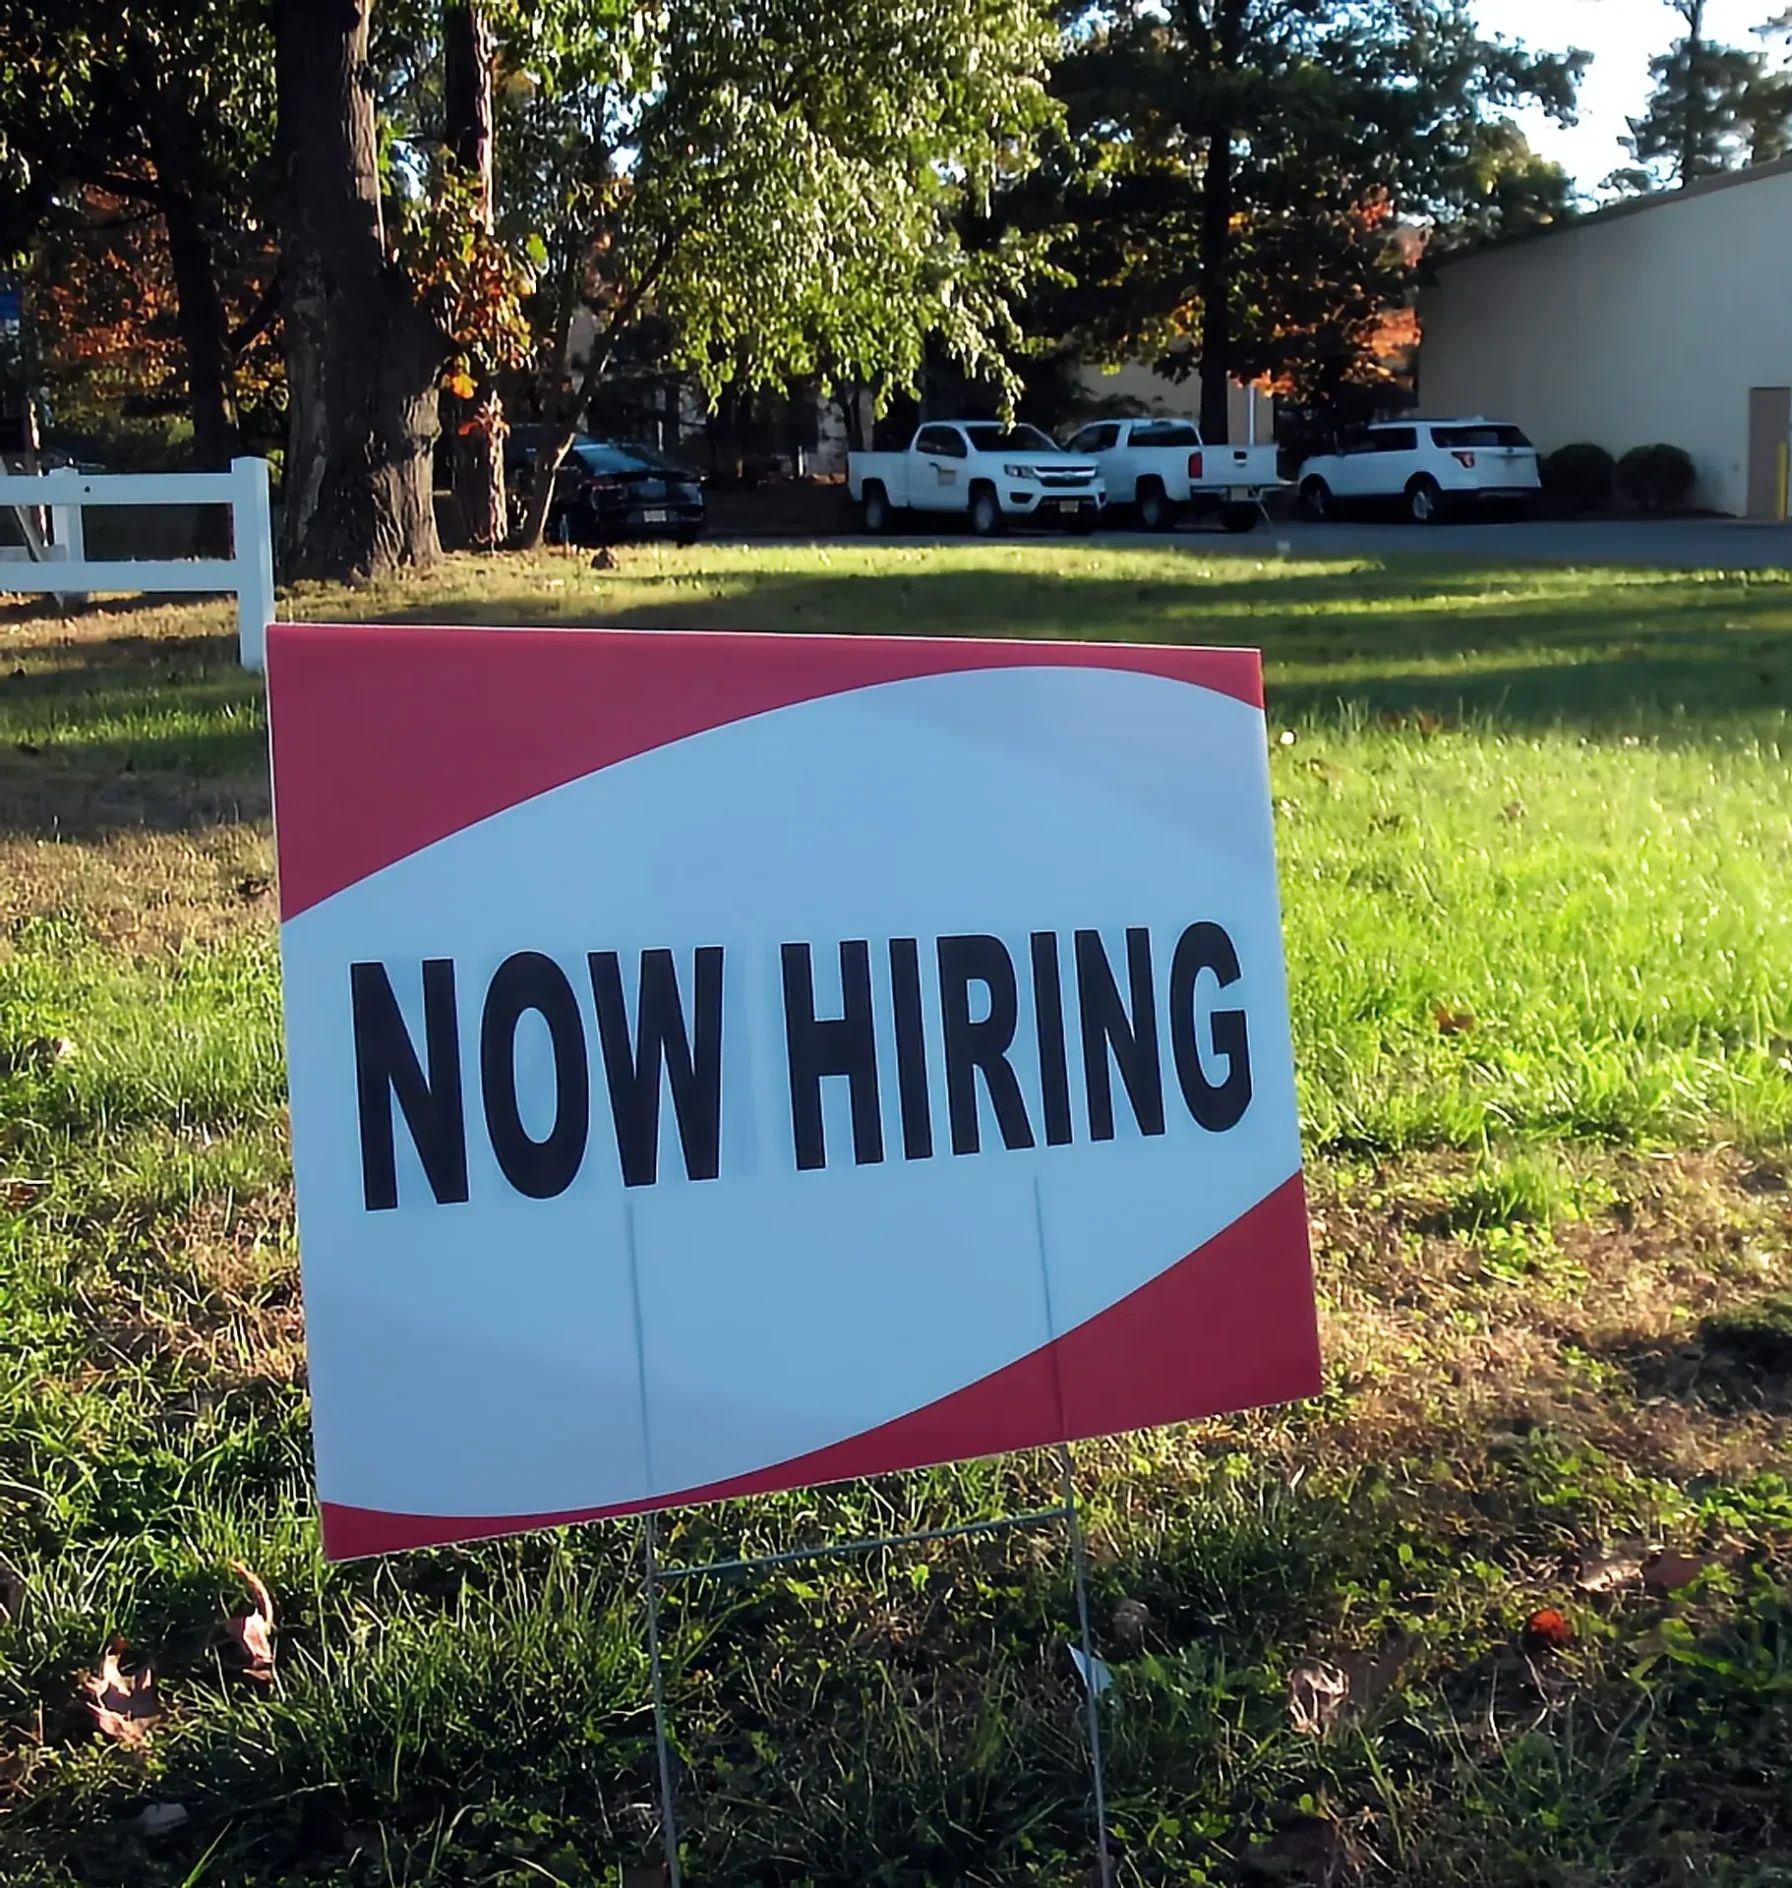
(1427, 467)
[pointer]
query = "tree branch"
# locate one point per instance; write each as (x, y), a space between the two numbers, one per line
(257, 321)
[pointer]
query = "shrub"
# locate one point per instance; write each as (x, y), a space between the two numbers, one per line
(1579, 477)
(1655, 476)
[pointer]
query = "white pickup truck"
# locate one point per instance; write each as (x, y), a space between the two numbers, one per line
(1160, 471)
(981, 469)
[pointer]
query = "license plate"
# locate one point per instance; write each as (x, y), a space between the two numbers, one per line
(1068, 504)
(653, 517)
(1240, 494)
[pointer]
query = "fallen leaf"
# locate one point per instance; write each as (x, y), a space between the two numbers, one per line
(1671, 1572)
(1454, 1022)
(1512, 812)
(1131, 1619)
(1316, 1694)
(1547, 1630)
(252, 1632)
(1607, 1575)
(1095, 1673)
(124, 1708)
(158, 1819)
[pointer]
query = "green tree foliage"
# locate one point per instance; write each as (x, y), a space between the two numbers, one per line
(776, 189)
(1248, 175)
(1712, 109)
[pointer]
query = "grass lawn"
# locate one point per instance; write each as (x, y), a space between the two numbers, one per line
(1535, 836)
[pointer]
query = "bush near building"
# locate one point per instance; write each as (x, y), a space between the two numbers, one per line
(1656, 477)
(1579, 477)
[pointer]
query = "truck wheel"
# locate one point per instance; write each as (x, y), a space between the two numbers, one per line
(1316, 499)
(1424, 500)
(986, 512)
(878, 513)
(1240, 517)
(1156, 513)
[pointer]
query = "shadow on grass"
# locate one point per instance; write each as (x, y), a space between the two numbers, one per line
(1734, 1362)
(161, 730)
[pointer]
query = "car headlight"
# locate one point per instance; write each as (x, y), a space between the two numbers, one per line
(1018, 472)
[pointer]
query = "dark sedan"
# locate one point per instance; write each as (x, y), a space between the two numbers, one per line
(608, 490)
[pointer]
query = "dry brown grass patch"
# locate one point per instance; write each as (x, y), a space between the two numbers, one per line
(143, 893)
(1426, 1339)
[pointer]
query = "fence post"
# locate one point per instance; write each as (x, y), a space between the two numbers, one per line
(252, 548)
(68, 532)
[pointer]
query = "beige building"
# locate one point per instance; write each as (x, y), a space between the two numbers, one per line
(1665, 318)
(1138, 388)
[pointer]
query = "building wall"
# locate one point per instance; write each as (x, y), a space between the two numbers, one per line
(1138, 387)
(1641, 325)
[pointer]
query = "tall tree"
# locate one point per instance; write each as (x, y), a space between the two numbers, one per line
(362, 353)
(1248, 166)
(774, 187)
(1712, 108)
(162, 109)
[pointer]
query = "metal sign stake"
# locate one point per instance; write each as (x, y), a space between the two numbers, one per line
(656, 1666)
(1066, 1512)
(1097, 1768)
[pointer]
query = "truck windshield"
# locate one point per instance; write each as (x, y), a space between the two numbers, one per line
(993, 438)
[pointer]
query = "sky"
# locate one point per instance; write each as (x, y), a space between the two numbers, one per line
(1622, 36)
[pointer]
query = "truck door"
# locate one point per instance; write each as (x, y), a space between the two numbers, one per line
(937, 477)
(1101, 438)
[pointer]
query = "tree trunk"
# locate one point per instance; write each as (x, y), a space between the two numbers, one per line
(203, 333)
(1216, 288)
(362, 357)
(467, 52)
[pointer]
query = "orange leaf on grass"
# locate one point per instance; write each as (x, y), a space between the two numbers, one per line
(1547, 1630)
(124, 1707)
(252, 1633)
(1454, 1022)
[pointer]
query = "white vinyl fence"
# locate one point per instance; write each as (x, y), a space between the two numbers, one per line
(59, 562)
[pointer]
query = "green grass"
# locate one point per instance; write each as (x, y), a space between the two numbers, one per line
(1535, 836)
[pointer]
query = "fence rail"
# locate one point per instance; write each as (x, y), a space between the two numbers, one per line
(60, 564)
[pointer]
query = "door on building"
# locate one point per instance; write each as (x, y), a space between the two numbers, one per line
(1769, 445)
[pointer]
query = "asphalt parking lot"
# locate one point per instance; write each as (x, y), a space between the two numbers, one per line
(1665, 543)
(1657, 543)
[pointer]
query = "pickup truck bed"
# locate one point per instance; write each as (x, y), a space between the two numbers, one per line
(1162, 471)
